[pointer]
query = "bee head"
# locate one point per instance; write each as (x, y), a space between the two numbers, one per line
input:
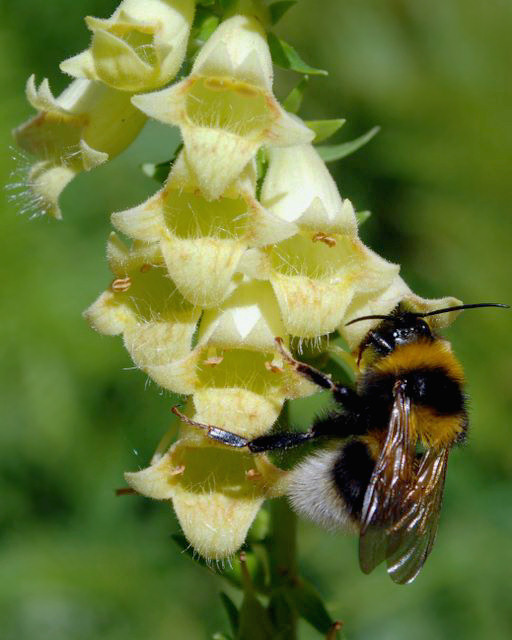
(400, 328)
(403, 327)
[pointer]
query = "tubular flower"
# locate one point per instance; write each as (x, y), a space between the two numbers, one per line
(203, 242)
(143, 305)
(82, 128)
(140, 47)
(225, 108)
(216, 492)
(235, 375)
(325, 264)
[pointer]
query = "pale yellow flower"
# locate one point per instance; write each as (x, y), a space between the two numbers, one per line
(203, 241)
(216, 492)
(143, 305)
(140, 47)
(315, 273)
(82, 128)
(225, 108)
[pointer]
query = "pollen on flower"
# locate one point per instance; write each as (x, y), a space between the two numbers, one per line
(320, 236)
(121, 284)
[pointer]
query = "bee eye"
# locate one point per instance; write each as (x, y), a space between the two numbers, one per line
(423, 327)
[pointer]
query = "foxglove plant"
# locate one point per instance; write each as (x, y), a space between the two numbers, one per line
(247, 240)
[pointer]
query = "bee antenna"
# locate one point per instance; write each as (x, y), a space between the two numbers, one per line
(461, 307)
(367, 318)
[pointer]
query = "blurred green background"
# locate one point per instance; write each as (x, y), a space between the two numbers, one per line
(76, 562)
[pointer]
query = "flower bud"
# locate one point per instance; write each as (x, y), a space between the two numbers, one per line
(140, 47)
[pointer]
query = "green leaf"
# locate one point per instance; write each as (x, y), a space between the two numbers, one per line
(293, 100)
(278, 9)
(186, 548)
(330, 153)
(221, 636)
(231, 611)
(206, 3)
(310, 606)
(324, 128)
(286, 57)
(362, 216)
(205, 23)
(206, 27)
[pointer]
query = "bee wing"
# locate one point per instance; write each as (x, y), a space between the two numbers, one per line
(411, 539)
(389, 487)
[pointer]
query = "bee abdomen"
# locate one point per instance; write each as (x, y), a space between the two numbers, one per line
(329, 487)
(351, 474)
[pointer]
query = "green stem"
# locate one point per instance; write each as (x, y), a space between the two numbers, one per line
(283, 566)
(283, 548)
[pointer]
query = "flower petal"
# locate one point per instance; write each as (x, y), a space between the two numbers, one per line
(238, 48)
(216, 157)
(309, 307)
(82, 128)
(202, 268)
(299, 188)
(140, 47)
(248, 318)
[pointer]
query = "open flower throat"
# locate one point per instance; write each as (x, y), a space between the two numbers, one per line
(224, 257)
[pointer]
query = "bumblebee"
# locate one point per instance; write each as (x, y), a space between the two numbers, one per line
(385, 477)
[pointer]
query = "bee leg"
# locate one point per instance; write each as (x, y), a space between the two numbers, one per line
(309, 372)
(226, 437)
(258, 445)
(340, 425)
(280, 441)
(334, 426)
(342, 394)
